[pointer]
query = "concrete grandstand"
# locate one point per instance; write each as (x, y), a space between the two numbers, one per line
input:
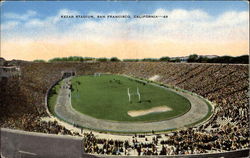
(23, 106)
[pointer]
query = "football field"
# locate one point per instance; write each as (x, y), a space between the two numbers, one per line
(120, 98)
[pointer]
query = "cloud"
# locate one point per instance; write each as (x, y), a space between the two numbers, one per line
(34, 23)
(25, 16)
(67, 12)
(10, 25)
(180, 26)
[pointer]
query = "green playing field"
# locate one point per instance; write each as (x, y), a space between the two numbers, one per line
(106, 97)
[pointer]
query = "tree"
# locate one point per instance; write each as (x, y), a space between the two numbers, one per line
(130, 60)
(244, 59)
(102, 59)
(165, 58)
(114, 59)
(202, 59)
(149, 59)
(177, 60)
(192, 58)
(71, 58)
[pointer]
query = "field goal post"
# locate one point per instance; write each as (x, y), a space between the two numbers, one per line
(97, 74)
(137, 93)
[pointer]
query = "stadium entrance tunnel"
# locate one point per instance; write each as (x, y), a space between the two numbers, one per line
(66, 74)
(91, 102)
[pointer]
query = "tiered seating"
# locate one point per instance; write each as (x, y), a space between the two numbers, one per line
(22, 105)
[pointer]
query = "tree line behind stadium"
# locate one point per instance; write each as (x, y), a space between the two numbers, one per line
(193, 58)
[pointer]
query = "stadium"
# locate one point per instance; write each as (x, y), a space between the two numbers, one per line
(124, 79)
(124, 109)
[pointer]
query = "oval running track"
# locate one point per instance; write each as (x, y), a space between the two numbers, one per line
(64, 110)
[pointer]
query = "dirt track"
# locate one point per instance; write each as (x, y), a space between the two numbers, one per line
(64, 110)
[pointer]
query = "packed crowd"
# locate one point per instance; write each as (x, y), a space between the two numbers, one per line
(224, 85)
(22, 101)
(22, 104)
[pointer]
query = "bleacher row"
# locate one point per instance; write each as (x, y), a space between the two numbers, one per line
(22, 104)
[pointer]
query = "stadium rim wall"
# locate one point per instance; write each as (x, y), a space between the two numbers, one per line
(12, 142)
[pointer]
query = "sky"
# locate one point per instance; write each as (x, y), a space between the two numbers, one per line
(35, 30)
